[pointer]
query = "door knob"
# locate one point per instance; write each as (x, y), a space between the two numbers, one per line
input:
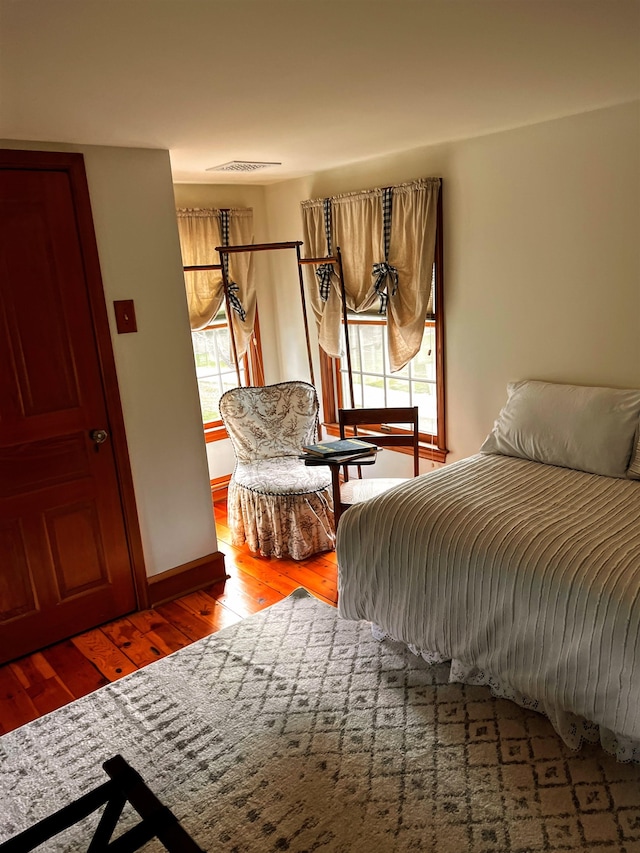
(98, 436)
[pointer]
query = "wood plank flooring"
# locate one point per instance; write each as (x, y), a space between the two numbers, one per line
(39, 683)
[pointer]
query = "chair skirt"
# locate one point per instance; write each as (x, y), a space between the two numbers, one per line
(281, 508)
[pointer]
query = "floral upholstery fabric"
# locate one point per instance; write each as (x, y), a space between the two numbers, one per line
(277, 504)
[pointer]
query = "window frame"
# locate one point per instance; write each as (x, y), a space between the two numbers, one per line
(330, 368)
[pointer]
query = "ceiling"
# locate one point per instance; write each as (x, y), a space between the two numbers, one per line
(313, 84)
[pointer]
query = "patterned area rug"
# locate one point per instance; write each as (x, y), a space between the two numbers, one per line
(295, 730)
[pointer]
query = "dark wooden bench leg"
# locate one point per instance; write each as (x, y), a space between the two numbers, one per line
(125, 785)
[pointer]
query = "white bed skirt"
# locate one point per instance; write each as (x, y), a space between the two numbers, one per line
(573, 730)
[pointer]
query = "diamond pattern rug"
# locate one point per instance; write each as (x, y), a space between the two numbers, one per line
(295, 730)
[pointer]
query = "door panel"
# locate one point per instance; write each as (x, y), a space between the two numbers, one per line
(75, 542)
(38, 464)
(34, 321)
(64, 557)
(17, 593)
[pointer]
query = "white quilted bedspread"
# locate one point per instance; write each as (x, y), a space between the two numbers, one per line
(526, 576)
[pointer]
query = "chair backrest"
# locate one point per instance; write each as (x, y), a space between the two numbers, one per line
(375, 420)
(270, 420)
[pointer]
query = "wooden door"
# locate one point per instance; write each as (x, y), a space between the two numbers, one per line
(65, 558)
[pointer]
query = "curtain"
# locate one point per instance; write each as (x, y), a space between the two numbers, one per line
(387, 240)
(201, 231)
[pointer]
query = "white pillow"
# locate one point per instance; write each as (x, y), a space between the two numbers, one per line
(589, 429)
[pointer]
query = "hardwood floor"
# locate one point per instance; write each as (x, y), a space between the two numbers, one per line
(36, 684)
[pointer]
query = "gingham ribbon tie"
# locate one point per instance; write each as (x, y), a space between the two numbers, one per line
(383, 274)
(324, 273)
(234, 300)
(232, 288)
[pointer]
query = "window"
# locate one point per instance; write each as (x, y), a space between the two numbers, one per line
(420, 383)
(390, 241)
(201, 230)
(216, 371)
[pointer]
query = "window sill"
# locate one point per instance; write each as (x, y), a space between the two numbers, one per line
(216, 433)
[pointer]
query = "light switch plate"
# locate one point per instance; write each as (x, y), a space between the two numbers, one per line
(125, 316)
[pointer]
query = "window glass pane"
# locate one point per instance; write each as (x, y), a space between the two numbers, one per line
(398, 391)
(423, 365)
(374, 392)
(372, 344)
(357, 390)
(425, 397)
(214, 372)
(354, 343)
(204, 349)
(209, 396)
(230, 380)
(223, 348)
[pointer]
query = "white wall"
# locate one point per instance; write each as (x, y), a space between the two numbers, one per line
(134, 216)
(542, 265)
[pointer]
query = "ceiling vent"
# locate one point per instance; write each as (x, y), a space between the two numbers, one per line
(241, 166)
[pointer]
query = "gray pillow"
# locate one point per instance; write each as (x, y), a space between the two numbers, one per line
(573, 426)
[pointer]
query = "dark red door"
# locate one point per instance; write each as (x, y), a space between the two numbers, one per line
(64, 559)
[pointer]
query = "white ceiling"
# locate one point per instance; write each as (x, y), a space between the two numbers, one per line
(314, 84)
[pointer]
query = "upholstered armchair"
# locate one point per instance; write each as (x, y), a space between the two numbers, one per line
(279, 506)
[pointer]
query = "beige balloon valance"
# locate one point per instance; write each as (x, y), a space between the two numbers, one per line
(387, 240)
(201, 230)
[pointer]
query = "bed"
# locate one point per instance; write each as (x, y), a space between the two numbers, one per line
(519, 568)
